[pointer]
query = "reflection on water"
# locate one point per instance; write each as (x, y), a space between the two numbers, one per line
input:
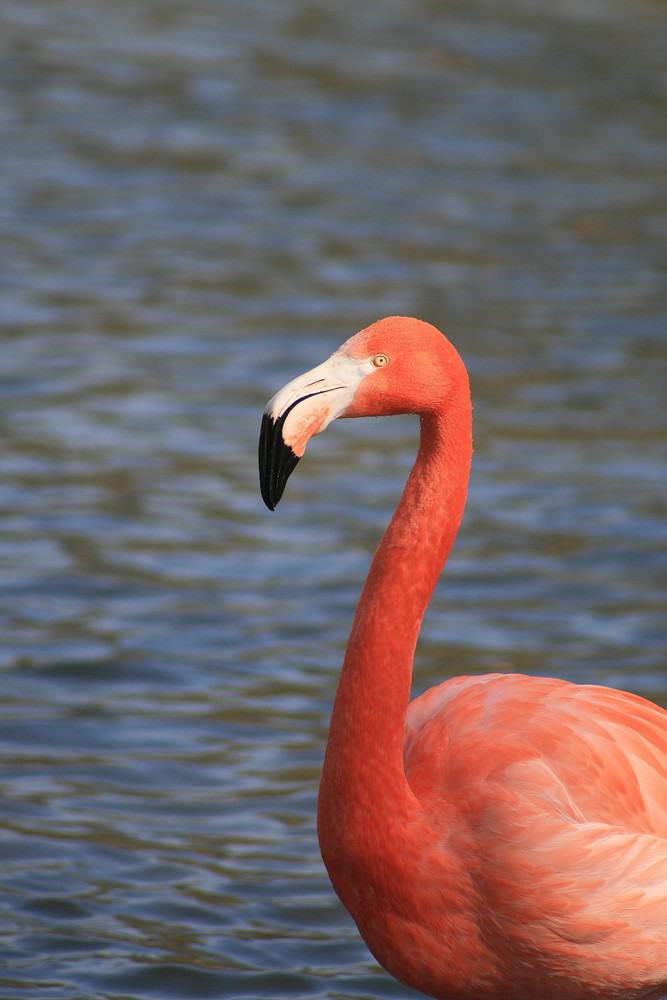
(200, 201)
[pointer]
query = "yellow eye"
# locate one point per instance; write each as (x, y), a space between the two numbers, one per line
(380, 360)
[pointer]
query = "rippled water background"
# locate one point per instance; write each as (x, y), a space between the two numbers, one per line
(201, 200)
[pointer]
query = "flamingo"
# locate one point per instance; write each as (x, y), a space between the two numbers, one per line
(501, 837)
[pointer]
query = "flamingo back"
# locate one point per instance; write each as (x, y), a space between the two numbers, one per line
(555, 797)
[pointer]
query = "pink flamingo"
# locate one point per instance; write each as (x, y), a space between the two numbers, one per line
(501, 837)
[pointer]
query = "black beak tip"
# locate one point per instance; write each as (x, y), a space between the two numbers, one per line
(276, 461)
(268, 498)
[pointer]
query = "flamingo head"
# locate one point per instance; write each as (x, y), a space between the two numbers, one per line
(397, 365)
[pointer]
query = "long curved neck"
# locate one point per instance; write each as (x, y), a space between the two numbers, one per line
(363, 765)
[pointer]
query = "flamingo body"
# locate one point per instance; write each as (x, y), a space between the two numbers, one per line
(501, 837)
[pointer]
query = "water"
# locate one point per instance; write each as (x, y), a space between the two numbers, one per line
(200, 201)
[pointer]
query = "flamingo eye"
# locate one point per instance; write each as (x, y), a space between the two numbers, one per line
(380, 360)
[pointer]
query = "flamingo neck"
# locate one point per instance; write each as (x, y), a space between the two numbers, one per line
(363, 778)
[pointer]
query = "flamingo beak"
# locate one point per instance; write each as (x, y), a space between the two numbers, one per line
(304, 407)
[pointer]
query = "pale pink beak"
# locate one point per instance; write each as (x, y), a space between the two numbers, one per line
(304, 407)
